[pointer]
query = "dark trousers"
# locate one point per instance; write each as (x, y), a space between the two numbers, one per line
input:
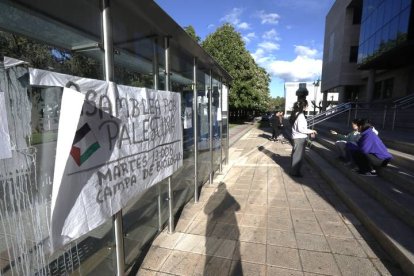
(298, 152)
(366, 162)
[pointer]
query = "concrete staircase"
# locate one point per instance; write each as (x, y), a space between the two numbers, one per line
(383, 203)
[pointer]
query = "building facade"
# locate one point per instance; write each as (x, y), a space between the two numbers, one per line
(368, 50)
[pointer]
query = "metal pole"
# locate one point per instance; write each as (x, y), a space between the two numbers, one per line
(168, 88)
(384, 117)
(349, 117)
(195, 113)
(210, 108)
(155, 72)
(221, 124)
(394, 116)
(109, 76)
(228, 127)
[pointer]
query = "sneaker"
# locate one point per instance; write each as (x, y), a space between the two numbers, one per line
(371, 173)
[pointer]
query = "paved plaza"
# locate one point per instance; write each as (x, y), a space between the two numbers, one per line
(256, 220)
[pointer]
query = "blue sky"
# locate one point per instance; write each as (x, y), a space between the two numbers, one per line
(283, 36)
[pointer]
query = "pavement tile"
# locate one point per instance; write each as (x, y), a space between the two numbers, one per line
(253, 221)
(279, 223)
(252, 234)
(212, 266)
(201, 227)
(247, 269)
(156, 257)
(225, 249)
(312, 242)
(283, 257)
(167, 240)
(181, 263)
(281, 238)
(279, 212)
(336, 229)
(273, 270)
(191, 243)
(307, 227)
(319, 262)
(255, 209)
(250, 252)
(182, 225)
(326, 216)
(277, 202)
(346, 247)
(225, 231)
(145, 272)
(355, 266)
(302, 214)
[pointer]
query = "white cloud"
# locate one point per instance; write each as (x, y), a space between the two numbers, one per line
(304, 67)
(289, 27)
(271, 35)
(269, 46)
(268, 18)
(210, 26)
(305, 51)
(234, 18)
(243, 26)
(247, 38)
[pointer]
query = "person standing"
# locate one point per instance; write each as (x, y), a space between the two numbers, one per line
(300, 132)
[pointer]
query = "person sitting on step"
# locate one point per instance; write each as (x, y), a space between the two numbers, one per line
(370, 152)
(351, 137)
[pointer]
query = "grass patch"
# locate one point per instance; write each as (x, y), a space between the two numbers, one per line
(40, 138)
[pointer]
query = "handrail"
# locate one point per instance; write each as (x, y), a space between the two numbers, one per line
(339, 109)
(404, 100)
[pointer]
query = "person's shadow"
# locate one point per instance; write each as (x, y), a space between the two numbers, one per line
(221, 209)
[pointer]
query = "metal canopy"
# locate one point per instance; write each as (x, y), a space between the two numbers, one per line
(135, 25)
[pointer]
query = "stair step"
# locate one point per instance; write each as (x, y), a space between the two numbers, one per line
(400, 176)
(394, 235)
(391, 196)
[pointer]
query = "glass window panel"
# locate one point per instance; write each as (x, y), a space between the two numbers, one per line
(393, 29)
(203, 131)
(216, 99)
(405, 3)
(396, 7)
(380, 15)
(388, 11)
(404, 20)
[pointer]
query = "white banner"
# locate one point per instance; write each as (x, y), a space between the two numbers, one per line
(126, 140)
(5, 147)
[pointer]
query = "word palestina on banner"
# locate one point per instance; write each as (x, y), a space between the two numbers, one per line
(114, 142)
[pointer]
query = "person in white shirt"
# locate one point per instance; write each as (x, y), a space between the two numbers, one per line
(300, 132)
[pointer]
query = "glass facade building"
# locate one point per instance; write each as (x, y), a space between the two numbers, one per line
(384, 25)
(128, 43)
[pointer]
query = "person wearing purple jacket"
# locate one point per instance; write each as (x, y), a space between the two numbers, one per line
(370, 152)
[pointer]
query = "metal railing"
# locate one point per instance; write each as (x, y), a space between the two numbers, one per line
(402, 103)
(325, 115)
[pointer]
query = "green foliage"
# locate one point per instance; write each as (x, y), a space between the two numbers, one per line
(250, 87)
(277, 103)
(191, 32)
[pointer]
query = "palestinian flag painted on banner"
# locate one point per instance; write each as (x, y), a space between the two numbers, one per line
(84, 145)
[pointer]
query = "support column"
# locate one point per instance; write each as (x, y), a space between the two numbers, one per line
(370, 86)
(168, 88)
(210, 108)
(220, 88)
(109, 77)
(155, 72)
(325, 101)
(195, 113)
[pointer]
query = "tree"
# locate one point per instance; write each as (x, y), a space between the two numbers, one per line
(250, 87)
(277, 103)
(191, 32)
